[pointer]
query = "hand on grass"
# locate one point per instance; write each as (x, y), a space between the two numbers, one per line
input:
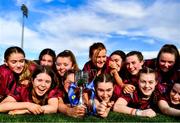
(148, 113)
(14, 112)
(35, 108)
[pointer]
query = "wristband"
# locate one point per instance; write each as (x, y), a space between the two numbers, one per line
(138, 112)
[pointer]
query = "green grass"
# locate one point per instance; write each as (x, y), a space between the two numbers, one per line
(113, 117)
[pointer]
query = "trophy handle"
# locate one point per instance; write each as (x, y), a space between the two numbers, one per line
(81, 96)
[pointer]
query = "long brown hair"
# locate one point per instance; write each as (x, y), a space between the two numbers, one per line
(42, 69)
(68, 53)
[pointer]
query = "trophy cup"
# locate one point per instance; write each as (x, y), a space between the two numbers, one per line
(79, 91)
(81, 78)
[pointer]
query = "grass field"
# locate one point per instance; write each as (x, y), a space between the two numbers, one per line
(113, 117)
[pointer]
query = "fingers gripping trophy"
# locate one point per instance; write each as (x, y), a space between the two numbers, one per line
(80, 90)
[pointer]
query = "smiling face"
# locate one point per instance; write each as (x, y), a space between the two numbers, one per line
(133, 64)
(175, 94)
(166, 61)
(147, 83)
(46, 60)
(63, 64)
(41, 84)
(99, 58)
(117, 60)
(16, 62)
(105, 91)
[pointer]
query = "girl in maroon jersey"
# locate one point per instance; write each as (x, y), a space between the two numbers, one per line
(98, 63)
(15, 71)
(64, 102)
(116, 63)
(118, 71)
(167, 64)
(47, 57)
(41, 96)
(143, 99)
(64, 62)
(105, 96)
(170, 104)
(134, 63)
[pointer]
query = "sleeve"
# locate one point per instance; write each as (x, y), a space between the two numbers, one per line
(16, 93)
(127, 97)
(117, 92)
(55, 93)
(86, 67)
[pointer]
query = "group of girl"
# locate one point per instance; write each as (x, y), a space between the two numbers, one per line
(124, 83)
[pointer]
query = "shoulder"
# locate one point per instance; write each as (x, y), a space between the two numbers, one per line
(5, 70)
(20, 92)
(55, 93)
(88, 65)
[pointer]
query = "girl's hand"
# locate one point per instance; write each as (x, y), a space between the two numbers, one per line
(128, 88)
(35, 108)
(77, 111)
(14, 112)
(148, 113)
(103, 108)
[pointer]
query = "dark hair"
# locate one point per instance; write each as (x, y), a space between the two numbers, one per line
(148, 70)
(68, 72)
(120, 53)
(68, 53)
(43, 69)
(48, 70)
(95, 46)
(13, 49)
(103, 78)
(137, 53)
(172, 49)
(48, 51)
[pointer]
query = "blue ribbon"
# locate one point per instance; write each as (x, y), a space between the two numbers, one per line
(90, 86)
(73, 99)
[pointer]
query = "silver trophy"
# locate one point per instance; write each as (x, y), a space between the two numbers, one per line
(81, 77)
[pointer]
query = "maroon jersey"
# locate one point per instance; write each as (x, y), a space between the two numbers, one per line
(24, 94)
(117, 92)
(168, 100)
(92, 69)
(165, 78)
(131, 79)
(135, 100)
(7, 80)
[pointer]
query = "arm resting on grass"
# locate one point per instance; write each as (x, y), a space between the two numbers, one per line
(51, 107)
(121, 107)
(166, 109)
(11, 104)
